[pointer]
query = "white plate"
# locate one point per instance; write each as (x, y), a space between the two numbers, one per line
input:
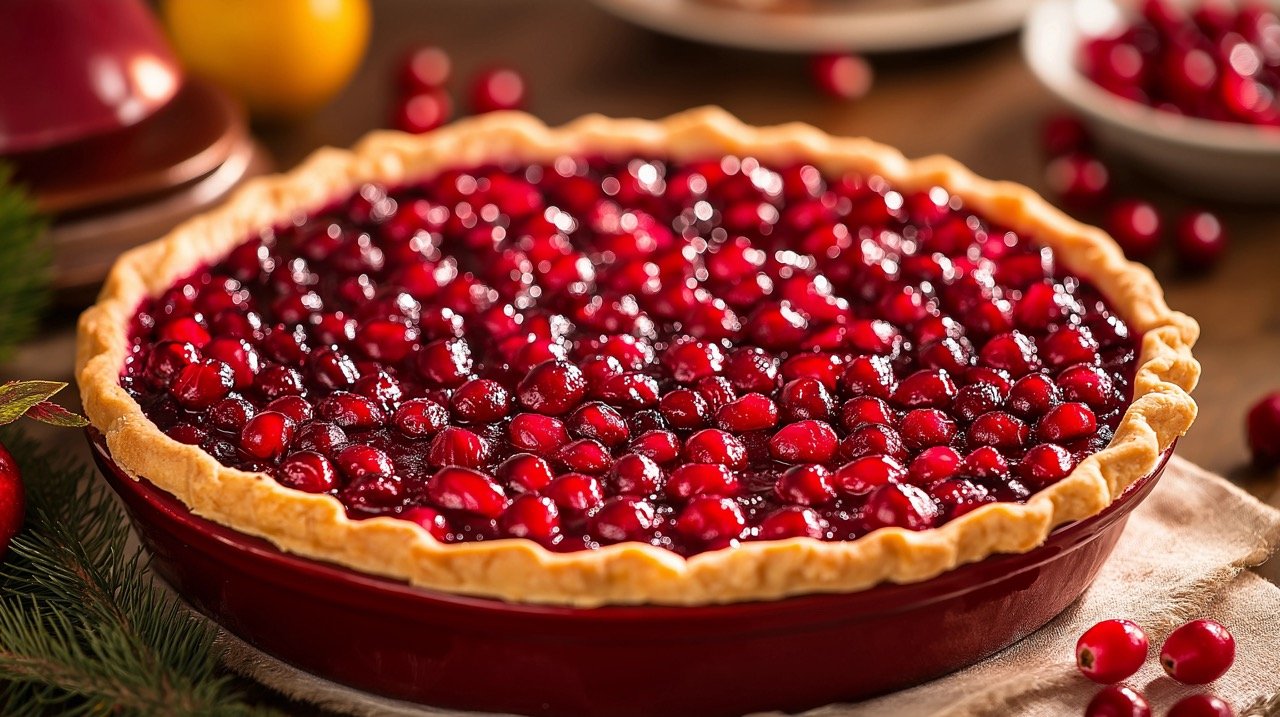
(853, 30)
(1221, 160)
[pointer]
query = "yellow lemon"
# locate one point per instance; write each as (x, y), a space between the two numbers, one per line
(283, 58)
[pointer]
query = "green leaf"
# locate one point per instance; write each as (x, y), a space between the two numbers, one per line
(25, 257)
(55, 415)
(18, 397)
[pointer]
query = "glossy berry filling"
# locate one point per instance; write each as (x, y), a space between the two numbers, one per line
(597, 351)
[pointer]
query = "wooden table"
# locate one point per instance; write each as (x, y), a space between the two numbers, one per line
(979, 104)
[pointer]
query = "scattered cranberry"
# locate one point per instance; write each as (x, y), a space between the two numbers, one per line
(1079, 179)
(842, 76)
(1118, 701)
(1201, 706)
(1111, 651)
(1263, 428)
(1200, 242)
(422, 111)
(1136, 227)
(425, 68)
(1198, 653)
(1063, 134)
(497, 89)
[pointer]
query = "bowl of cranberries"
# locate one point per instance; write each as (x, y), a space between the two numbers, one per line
(1189, 90)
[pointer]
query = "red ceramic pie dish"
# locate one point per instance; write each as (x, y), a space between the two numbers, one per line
(389, 638)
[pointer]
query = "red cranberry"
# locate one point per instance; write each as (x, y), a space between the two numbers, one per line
(1087, 384)
(358, 461)
(987, 463)
(454, 446)
(708, 519)
(1198, 653)
(804, 442)
(1201, 241)
(1067, 422)
(751, 370)
(1069, 345)
(552, 388)
(926, 427)
(333, 369)
(351, 411)
(1263, 428)
(497, 89)
(805, 485)
(805, 398)
(231, 413)
(872, 376)
(601, 422)
(1118, 701)
(1111, 651)
(422, 111)
(688, 361)
(862, 410)
(575, 494)
(702, 479)
(925, 389)
(958, 496)
(480, 400)
(430, 520)
(1045, 464)
(446, 362)
(873, 439)
(712, 445)
(188, 434)
(420, 417)
(525, 473)
(321, 437)
(1013, 352)
(998, 430)
(863, 475)
(537, 433)
(636, 474)
(307, 471)
(660, 446)
(467, 490)
(684, 408)
(752, 412)
(623, 518)
(276, 381)
(935, 464)
(1079, 179)
(168, 358)
(424, 68)
(185, 330)
(899, 505)
(1201, 706)
(202, 384)
(584, 456)
(533, 517)
(240, 355)
(793, 522)
(1135, 225)
(842, 77)
(1063, 134)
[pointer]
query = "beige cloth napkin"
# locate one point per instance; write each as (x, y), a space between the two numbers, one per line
(1185, 554)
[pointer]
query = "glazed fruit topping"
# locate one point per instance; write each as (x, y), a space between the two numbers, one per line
(596, 351)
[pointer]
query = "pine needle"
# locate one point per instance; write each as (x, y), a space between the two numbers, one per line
(25, 257)
(83, 630)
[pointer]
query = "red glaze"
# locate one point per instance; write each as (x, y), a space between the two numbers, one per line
(386, 637)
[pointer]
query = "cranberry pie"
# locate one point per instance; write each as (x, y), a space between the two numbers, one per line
(621, 361)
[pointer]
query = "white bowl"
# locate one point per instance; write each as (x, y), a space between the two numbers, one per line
(1220, 160)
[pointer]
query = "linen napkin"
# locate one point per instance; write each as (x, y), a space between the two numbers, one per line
(1185, 554)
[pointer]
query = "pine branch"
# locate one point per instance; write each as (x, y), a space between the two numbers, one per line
(25, 257)
(1265, 706)
(83, 631)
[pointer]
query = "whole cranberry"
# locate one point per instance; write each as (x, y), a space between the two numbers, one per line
(1079, 179)
(1111, 651)
(1118, 701)
(497, 89)
(1200, 241)
(1263, 428)
(422, 111)
(424, 68)
(841, 76)
(12, 499)
(1198, 653)
(1063, 134)
(1136, 227)
(1201, 706)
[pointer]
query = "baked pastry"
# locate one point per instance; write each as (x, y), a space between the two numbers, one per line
(621, 361)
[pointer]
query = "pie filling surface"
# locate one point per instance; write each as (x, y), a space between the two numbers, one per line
(594, 351)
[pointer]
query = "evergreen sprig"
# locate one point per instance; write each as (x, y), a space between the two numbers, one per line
(83, 629)
(24, 264)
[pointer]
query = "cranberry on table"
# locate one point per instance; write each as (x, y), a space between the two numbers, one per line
(422, 111)
(1263, 428)
(841, 76)
(1136, 227)
(1118, 701)
(1111, 651)
(496, 89)
(1081, 180)
(1202, 706)
(1063, 134)
(1200, 241)
(1198, 653)
(425, 68)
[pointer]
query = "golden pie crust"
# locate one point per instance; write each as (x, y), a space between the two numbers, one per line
(517, 570)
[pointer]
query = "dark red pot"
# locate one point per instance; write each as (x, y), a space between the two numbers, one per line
(392, 639)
